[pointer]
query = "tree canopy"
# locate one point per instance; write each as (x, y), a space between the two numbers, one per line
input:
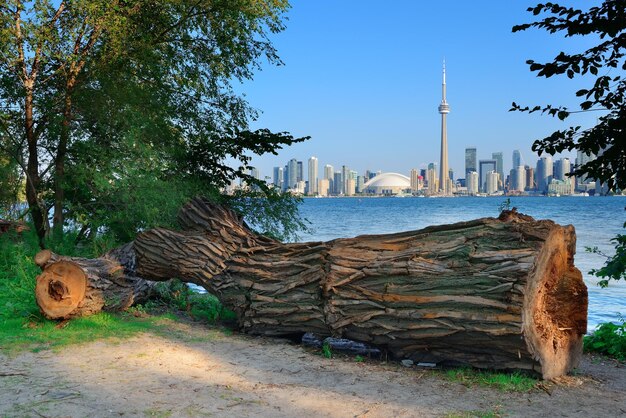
(107, 105)
(604, 64)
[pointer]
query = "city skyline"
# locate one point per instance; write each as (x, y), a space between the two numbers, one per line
(367, 96)
(546, 176)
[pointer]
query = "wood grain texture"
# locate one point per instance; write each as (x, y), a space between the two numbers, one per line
(69, 287)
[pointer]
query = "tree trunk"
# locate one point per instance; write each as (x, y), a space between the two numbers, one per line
(71, 287)
(490, 293)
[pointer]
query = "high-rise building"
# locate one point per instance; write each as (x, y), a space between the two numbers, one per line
(485, 166)
(414, 180)
(433, 183)
(313, 176)
(292, 173)
(471, 183)
(491, 185)
(345, 176)
(544, 173)
(518, 179)
(470, 161)
(329, 174)
(278, 177)
(360, 184)
(562, 167)
(328, 171)
(324, 187)
(582, 159)
(350, 187)
(300, 171)
(444, 109)
(517, 159)
(499, 167)
(530, 178)
(337, 183)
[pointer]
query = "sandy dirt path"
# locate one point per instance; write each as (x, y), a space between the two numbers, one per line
(200, 371)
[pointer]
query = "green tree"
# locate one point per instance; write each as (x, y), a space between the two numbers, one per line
(102, 97)
(604, 65)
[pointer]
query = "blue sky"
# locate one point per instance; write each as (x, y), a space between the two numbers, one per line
(363, 79)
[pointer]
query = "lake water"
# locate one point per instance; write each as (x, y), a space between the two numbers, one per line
(596, 219)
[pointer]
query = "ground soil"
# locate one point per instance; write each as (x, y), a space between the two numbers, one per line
(198, 371)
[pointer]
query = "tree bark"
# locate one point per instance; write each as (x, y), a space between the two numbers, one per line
(490, 293)
(70, 287)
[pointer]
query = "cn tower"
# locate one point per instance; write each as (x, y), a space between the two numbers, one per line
(444, 109)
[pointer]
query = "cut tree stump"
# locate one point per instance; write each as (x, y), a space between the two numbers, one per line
(497, 293)
(70, 287)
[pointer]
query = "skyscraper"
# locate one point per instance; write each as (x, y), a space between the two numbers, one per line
(470, 161)
(278, 177)
(484, 166)
(313, 176)
(328, 171)
(491, 185)
(544, 173)
(414, 180)
(517, 159)
(472, 183)
(337, 183)
(499, 167)
(562, 167)
(300, 171)
(345, 176)
(444, 109)
(292, 173)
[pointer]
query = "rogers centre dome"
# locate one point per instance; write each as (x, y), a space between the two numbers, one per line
(388, 183)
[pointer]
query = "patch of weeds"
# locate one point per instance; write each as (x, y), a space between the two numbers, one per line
(327, 352)
(359, 359)
(608, 339)
(506, 382)
(202, 307)
(474, 414)
(155, 412)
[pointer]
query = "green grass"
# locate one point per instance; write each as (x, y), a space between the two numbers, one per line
(506, 382)
(608, 339)
(22, 327)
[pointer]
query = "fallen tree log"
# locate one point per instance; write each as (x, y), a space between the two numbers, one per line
(70, 287)
(6, 226)
(491, 293)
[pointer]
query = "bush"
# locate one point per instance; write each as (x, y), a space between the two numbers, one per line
(608, 339)
(200, 306)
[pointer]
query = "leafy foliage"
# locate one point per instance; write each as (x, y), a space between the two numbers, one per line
(327, 351)
(117, 110)
(200, 306)
(608, 339)
(505, 205)
(615, 266)
(604, 63)
(270, 213)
